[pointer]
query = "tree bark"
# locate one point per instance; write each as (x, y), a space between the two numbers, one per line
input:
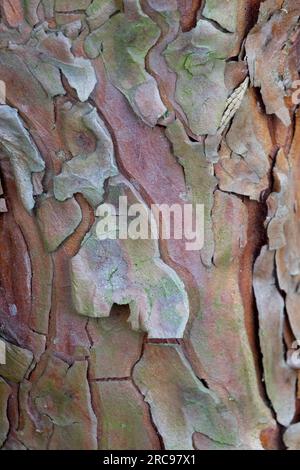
(144, 344)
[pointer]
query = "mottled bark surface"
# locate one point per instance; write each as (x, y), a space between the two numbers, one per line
(141, 344)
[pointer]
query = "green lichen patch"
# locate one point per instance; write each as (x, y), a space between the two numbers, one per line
(22, 152)
(198, 58)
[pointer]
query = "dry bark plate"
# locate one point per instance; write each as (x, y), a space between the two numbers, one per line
(141, 344)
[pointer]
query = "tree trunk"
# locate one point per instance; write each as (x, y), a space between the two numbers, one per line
(123, 343)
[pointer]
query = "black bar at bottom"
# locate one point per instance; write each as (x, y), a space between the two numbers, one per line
(134, 459)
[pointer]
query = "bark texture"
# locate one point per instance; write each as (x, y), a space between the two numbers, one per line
(141, 344)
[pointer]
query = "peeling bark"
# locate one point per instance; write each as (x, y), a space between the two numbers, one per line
(140, 343)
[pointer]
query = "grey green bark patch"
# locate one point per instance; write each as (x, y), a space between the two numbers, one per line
(86, 174)
(179, 402)
(115, 347)
(130, 272)
(5, 392)
(198, 58)
(22, 152)
(223, 12)
(57, 220)
(71, 5)
(18, 361)
(125, 421)
(48, 75)
(244, 164)
(200, 180)
(292, 437)
(229, 238)
(60, 403)
(55, 50)
(280, 379)
(100, 10)
(123, 44)
(275, 49)
(280, 203)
